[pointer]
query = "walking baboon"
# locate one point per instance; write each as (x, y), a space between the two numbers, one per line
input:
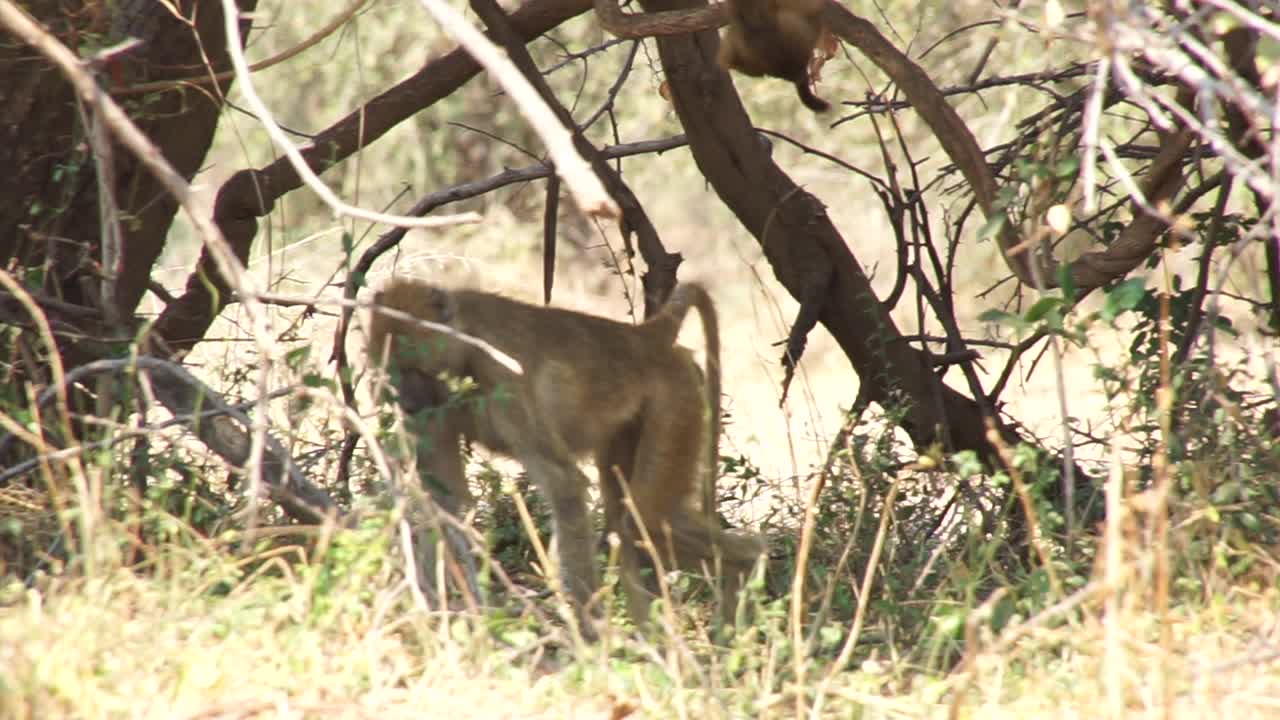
(626, 395)
(776, 38)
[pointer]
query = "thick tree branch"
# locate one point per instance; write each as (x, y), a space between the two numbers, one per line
(660, 280)
(251, 194)
(803, 247)
(654, 24)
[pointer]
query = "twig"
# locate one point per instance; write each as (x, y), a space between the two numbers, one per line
(484, 346)
(235, 51)
(799, 651)
(586, 188)
(209, 78)
(860, 615)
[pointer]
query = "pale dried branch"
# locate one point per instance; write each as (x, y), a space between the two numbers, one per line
(235, 52)
(587, 189)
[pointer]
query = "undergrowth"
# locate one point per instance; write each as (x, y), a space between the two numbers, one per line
(929, 589)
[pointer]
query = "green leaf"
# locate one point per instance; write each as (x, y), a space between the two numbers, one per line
(1009, 320)
(1067, 283)
(949, 623)
(992, 226)
(999, 317)
(1123, 297)
(967, 464)
(297, 356)
(316, 380)
(1042, 308)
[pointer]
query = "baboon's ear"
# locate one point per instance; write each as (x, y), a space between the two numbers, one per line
(442, 305)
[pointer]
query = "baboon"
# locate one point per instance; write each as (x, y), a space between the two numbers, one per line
(624, 394)
(776, 38)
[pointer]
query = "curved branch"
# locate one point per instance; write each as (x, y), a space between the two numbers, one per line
(652, 24)
(1087, 272)
(1137, 241)
(952, 132)
(250, 194)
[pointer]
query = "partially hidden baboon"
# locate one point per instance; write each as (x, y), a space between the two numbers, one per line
(775, 38)
(624, 394)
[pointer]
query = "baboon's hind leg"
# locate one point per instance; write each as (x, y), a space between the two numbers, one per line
(615, 466)
(668, 462)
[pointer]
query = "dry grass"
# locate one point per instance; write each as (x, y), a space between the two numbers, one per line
(196, 627)
(328, 630)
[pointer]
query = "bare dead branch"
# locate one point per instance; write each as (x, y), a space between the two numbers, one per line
(235, 52)
(251, 193)
(586, 188)
(661, 278)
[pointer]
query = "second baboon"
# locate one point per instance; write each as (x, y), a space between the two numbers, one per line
(775, 38)
(625, 395)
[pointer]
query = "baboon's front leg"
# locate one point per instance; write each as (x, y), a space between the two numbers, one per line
(440, 468)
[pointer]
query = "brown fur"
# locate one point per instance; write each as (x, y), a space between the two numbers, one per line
(623, 394)
(775, 38)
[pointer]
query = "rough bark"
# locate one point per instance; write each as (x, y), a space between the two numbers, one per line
(807, 254)
(51, 214)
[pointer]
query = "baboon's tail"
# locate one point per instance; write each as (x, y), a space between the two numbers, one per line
(667, 326)
(711, 335)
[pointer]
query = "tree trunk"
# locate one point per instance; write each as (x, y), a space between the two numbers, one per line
(51, 218)
(806, 252)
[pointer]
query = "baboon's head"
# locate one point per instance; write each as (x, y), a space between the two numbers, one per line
(407, 348)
